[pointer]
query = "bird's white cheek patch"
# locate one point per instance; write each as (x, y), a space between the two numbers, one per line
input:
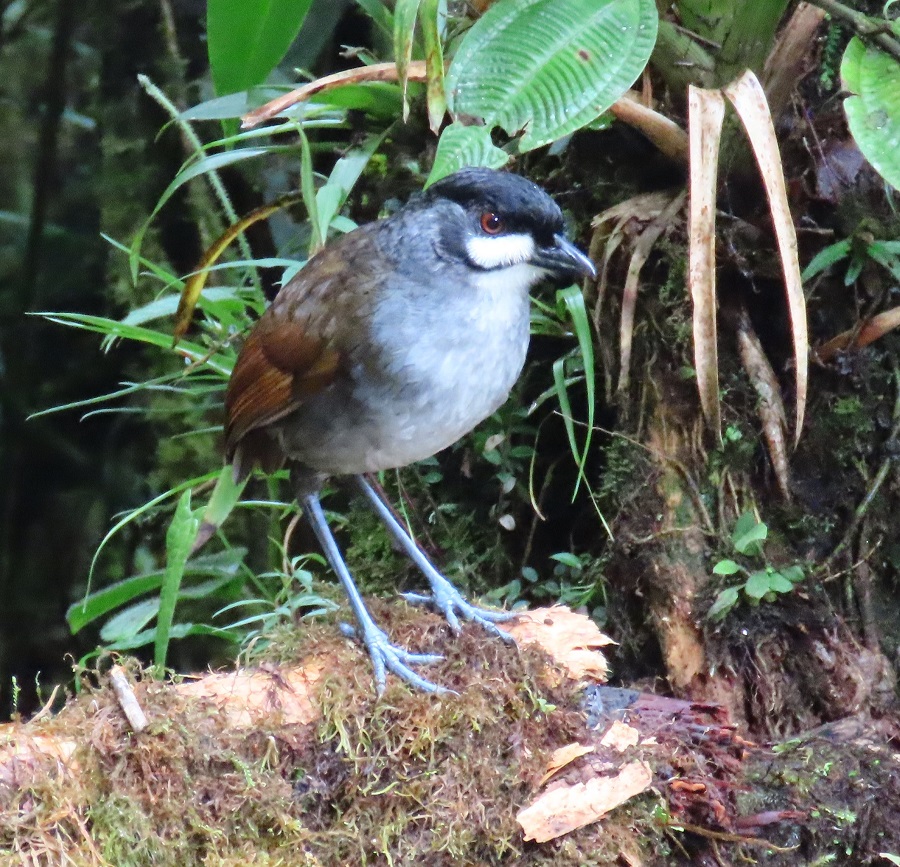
(501, 250)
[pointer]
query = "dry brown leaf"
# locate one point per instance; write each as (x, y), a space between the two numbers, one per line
(620, 736)
(571, 639)
(749, 100)
(562, 757)
(374, 72)
(769, 406)
(706, 111)
(642, 249)
(636, 210)
(563, 809)
(642, 209)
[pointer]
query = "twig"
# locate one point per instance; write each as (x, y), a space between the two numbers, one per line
(127, 699)
(663, 132)
(864, 26)
(728, 838)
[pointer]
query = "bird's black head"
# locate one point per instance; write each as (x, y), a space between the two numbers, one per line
(506, 221)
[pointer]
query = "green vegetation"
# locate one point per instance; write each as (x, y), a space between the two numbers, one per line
(764, 583)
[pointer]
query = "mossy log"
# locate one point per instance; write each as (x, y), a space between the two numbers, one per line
(296, 761)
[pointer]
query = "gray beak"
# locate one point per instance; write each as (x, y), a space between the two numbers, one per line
(564, 260)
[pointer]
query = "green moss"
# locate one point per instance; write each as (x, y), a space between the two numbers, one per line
(404, 779)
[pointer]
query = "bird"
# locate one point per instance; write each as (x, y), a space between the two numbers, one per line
(390, 344)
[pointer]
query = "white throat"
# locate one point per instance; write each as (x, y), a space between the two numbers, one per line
(500, 251)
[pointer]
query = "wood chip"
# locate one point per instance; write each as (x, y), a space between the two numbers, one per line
(563, 809)
(620, 736)
(124, 691)
(562, 757)
(571, 639)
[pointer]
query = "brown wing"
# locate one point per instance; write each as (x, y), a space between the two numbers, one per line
(297, 348)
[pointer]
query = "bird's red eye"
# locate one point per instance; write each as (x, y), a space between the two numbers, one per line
(491, 223)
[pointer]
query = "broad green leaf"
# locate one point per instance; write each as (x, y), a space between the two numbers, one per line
(748, 533)
(379, 13)
(166, 305)
(235, 105)
(223, 499)
(885, 257)
(460, 146)
(749, 542)
(223, 564)
(726, 567)
(109, 598)
(758, 584)
(568, 559)
(873, 112)
(724, 602)
(179, 541)
(130, 621)
(779, 584)
(225, 496)
(702, 16)
(547, 67)
(179, 630)
(380, 99)
(794, 574)
(247, 39)
(854, 269)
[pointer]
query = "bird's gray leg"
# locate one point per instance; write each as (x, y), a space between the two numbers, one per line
(385, 656)
(444, 596)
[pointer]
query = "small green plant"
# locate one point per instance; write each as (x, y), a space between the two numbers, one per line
(761, 584)
(569, 584)
(857, 251)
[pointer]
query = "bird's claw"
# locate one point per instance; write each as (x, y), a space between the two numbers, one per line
(387, 657)
(453, 605)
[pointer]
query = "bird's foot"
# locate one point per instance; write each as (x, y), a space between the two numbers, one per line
(388, 657)
(453, 605)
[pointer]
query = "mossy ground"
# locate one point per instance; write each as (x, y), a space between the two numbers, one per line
(410, 778)
(400, 779)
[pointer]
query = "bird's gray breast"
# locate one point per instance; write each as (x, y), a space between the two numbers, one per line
(448, 359)
(441, 354)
